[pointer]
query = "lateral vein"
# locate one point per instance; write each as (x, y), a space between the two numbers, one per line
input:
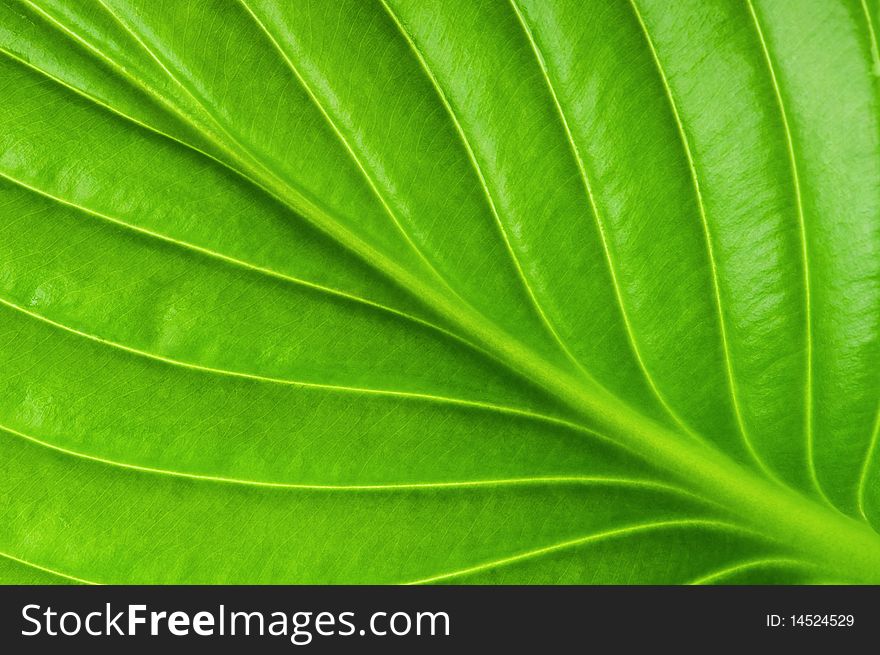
(573, 543)
(630, 332)
(789, 142)
(704, 222)
(577, 480)
(348, 147)
(545, 320)
(746, 565)
(46, 569)
(242, 263)
(473, 404)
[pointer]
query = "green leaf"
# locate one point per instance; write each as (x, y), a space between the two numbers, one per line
(404, 291)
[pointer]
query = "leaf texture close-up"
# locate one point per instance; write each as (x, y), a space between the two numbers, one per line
(394, 291)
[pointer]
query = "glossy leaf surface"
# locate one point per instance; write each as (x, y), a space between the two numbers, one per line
(470, 292)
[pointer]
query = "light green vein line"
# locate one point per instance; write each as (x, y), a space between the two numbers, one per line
(572, 543)
(573, 480)
(484, 187)
(728, 364)
(243, 264)
(875, 48)
(875, 433)
(789, 142)
(866, 465)
(447, 400)
(46, 569)
(630, 333)
(348, 147)
(746, 565)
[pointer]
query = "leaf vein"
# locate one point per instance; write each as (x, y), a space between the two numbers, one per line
(746, 565)
(45, 569)
(233, 261)
(630, 332)
(573, 543)
(575, 480)
(449, 400)
(716, 288)
(802, 231)
(371, 182)
(545, 320)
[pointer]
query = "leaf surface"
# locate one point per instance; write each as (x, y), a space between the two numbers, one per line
(397, 291)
